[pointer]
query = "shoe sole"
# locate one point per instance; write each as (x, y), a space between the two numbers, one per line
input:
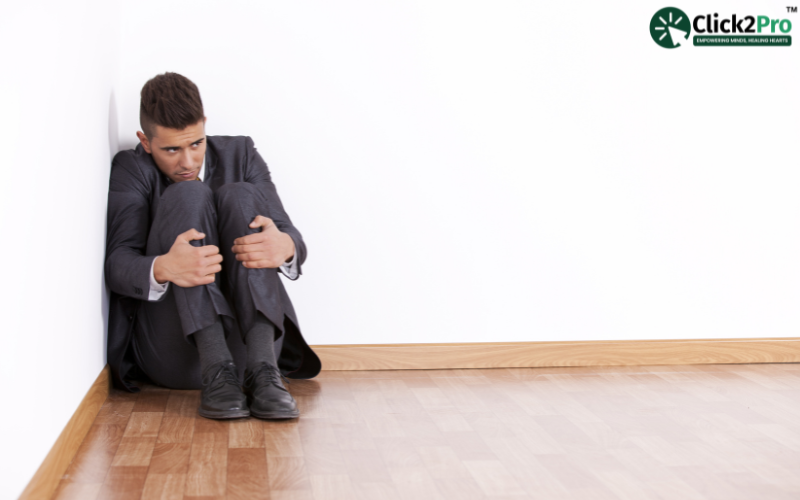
(275, 415)
(224, 415)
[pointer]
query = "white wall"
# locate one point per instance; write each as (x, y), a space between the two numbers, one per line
(58, 67)
(505, 171)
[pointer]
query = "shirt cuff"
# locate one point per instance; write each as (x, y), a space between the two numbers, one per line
(289, 268)
(157, 290)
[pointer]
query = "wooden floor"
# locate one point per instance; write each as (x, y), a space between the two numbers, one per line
(663, 432)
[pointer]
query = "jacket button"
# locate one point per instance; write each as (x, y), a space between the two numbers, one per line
(130, 318)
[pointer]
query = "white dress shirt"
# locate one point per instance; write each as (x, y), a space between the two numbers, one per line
(157, 290)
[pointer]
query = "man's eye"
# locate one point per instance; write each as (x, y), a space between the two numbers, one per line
(172, 150)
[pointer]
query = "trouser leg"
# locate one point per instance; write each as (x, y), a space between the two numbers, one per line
(184, 206)
(163, 342)
(252, 291)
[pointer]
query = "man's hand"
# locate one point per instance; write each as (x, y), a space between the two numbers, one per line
(269, 248)
(186, 265)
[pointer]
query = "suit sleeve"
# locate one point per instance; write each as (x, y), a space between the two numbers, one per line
(127, 268)
(257, 172)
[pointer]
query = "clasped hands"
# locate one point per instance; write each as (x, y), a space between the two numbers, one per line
(188, 266)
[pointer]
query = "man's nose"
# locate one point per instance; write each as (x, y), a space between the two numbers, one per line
(186, 159)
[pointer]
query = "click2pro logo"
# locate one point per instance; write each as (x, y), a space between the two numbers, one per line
(670, 28)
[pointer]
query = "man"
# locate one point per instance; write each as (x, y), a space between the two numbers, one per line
(196, 236)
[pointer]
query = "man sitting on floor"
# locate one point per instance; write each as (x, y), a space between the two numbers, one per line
(196, 235)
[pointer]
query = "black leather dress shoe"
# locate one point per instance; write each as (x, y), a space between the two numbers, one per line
(266, 395)
(221, 396)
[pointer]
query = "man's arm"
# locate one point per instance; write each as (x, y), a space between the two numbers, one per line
(127, 268)
(257, 172)
(157, 290)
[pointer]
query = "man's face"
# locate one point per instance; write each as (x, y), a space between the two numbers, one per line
(177, 153)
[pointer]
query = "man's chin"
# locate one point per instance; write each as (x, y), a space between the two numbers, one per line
(180, 178)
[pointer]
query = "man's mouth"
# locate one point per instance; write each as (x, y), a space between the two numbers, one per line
(188, 175)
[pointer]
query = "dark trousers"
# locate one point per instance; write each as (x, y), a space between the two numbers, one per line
(163, 344)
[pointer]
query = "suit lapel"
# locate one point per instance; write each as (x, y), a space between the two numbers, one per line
(211, 165)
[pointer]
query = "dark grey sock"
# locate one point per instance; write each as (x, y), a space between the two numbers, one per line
(261, 343)
(211, 345)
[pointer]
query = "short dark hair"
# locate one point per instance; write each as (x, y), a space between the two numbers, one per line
(169, 100)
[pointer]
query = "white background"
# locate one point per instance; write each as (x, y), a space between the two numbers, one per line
(460, 171)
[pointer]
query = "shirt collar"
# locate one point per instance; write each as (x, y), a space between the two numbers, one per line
(202, 171)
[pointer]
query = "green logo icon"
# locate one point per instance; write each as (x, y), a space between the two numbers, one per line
(670, 27)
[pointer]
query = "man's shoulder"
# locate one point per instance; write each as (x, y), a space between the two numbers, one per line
(229, 143)
(133, 166)
(130, 157)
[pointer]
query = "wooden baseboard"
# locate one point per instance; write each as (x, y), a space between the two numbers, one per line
(552, 354)
(45, 481)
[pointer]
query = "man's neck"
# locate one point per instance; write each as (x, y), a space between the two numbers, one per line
(201, 174)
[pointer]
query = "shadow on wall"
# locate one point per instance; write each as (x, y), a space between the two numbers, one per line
(125, 142)
(113, 148)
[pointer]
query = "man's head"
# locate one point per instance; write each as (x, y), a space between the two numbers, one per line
(173, 125)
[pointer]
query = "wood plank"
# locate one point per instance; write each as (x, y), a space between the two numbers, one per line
(47, 477)
(134, 452)
(152, 399)
(493, 478)
(182, 404)
(246, 433)
(117, 408)
(176, 429)
(124, 483)
(247, 474)
(282, 438)
(287, 474)
(332, 487)
(77, 491)
(95, 455)
(208, 464)
(163, 486)
(170, 458)
(547, 354)
(143, 424)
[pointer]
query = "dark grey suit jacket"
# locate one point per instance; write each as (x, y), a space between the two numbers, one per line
(135, 190)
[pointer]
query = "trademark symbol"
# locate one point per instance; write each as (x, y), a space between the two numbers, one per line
(791, 9)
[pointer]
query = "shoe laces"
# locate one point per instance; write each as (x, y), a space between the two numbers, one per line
(226, 374)
(269, 373)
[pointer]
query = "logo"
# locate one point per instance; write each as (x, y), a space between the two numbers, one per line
(670, 28)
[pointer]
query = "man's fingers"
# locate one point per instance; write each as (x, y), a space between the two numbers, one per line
(257, 264)
(247, 248)
(261, 221)
(250, 239)
(215, 259)
(214, 269)
(209, 250)
(191, 235)
(242, 257)
(205, 280)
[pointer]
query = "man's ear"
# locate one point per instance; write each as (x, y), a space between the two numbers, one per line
(144, 141)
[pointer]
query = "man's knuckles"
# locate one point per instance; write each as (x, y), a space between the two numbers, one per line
(262, 264)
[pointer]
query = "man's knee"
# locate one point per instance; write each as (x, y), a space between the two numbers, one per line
(234, 192)
(189, 194)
